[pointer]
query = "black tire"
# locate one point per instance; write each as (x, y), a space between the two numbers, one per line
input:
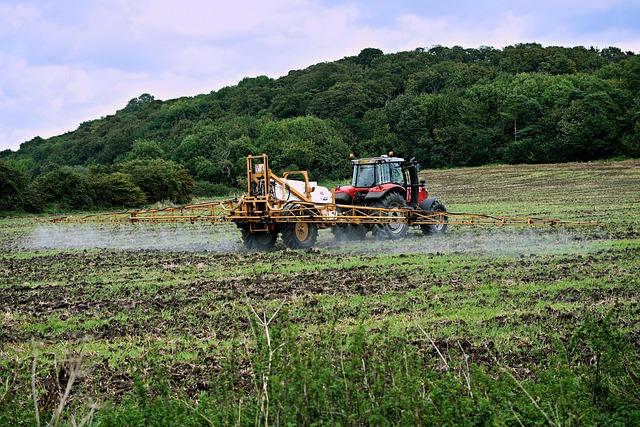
(391, 231)
(258, 241)
(436, 228)
(300, 235)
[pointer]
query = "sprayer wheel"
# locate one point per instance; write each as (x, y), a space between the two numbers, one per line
(436, 228)
(300, 235)
(259, 241)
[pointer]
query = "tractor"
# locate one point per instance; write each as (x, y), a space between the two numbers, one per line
(385, 197)
(386, 182)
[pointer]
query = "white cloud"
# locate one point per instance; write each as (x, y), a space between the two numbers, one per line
(56, 98)
(16, 16)
(210, 19)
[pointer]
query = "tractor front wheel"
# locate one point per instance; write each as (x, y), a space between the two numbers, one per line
(259, 241)
(393, 230)
(300, 235)
(439, 228)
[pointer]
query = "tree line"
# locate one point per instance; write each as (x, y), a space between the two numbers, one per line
(446, 106)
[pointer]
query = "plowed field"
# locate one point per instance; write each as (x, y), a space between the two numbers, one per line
(480, 326)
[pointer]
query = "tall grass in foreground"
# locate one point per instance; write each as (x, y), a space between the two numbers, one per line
(278, 377)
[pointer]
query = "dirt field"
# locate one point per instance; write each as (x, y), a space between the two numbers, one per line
(480, 326)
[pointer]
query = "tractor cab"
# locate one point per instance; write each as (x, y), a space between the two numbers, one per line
(368, 173)
(374, 177)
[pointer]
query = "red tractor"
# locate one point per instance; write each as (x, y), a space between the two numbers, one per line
(388, 182)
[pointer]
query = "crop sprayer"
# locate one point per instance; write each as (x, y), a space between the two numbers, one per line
(385, 198)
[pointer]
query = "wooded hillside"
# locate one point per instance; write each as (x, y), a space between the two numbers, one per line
(445, 106)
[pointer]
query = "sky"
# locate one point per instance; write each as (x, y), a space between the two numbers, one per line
(64, 62)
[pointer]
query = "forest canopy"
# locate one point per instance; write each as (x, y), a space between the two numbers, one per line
(446, 106)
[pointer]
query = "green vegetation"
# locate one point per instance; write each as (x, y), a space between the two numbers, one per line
(445, 106)
(15, 191)
(540, 327)
(128, 184)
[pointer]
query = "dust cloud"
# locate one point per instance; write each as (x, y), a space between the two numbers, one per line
(226, 239)
(481, 241)
(167, 237)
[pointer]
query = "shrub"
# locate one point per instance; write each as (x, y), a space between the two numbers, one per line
(12, 182)
(64, 186)
(31, 200)
(631, 142)
(116, 189)
(160, 180)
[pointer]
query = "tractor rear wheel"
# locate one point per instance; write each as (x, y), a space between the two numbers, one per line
(300, 235)
(259, 241)
(396, 230)
(436, 228)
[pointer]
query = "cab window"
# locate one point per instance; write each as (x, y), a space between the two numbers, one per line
(363, 176)
(383, 173)
(397, 177)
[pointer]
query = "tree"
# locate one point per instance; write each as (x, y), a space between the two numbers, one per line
(528, 100)
(16, 192)
(587, 129)
(342, 100)
(626, 73)
(612, 53)
(407, 118)
(559, 63)
(447, 75)
(139, 102)
(160, 180)
(66, 187)
(460, 144)
(367, 56)
(286, 105)
(306, 143)
(210, 153)
(114, 190)
(631, 142)
(143, 149)
(12, 183)
(523, 58)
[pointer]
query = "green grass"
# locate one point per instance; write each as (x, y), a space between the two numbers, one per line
(486, 326)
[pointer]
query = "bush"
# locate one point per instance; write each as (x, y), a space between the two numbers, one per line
(16, 193)
(31, 200)
(11, 184)
(115, 190)
(160, 180)
(64, 186)
(631, 142)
